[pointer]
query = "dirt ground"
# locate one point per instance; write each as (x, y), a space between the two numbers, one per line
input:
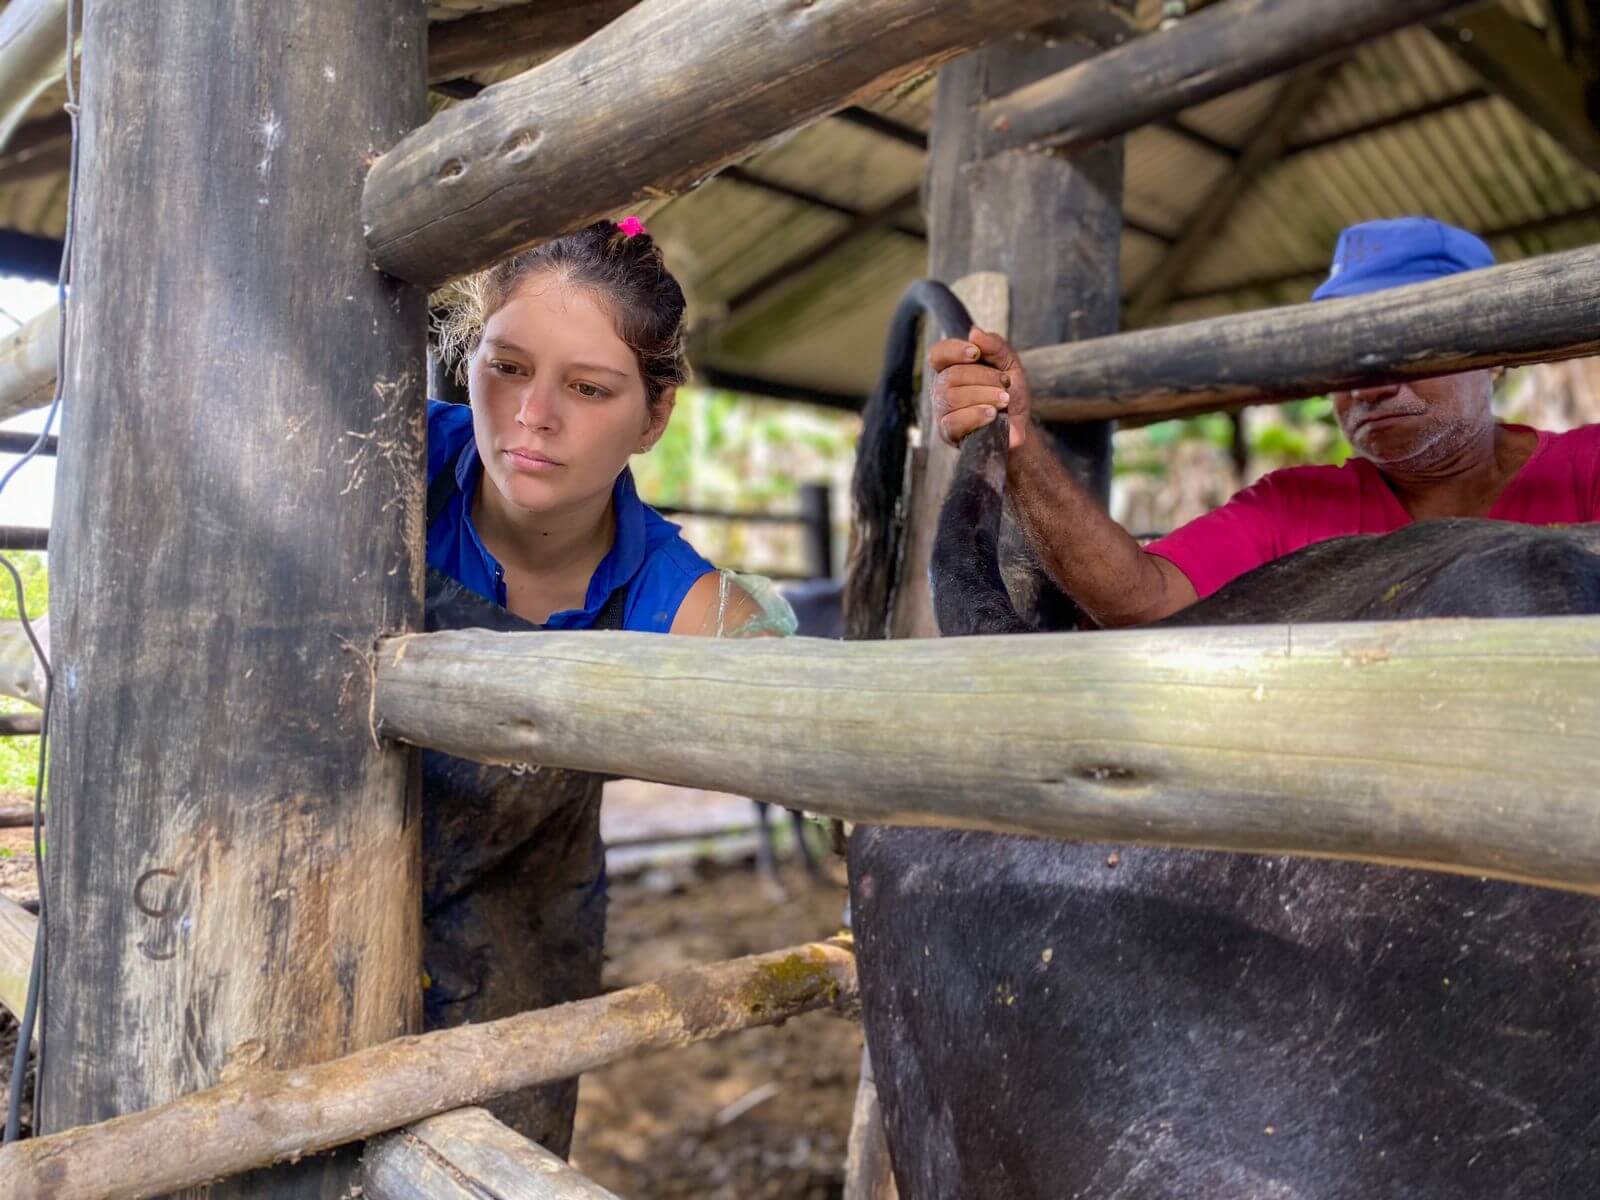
(762, 1115)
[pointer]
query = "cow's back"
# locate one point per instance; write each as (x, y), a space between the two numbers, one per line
(1058, 1020)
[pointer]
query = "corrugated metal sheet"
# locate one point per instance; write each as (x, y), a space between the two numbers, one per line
(1471, 159)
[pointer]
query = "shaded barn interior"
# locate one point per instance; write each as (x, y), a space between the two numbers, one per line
(793, 258)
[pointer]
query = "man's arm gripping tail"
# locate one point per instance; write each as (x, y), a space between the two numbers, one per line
(1089, 556)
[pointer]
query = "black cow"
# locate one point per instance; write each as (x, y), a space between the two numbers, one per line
(1049, 1019)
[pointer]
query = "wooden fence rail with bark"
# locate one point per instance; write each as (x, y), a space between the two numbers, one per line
(1458, 745)
(581, 136)
(276, 1116)
(1536, 310)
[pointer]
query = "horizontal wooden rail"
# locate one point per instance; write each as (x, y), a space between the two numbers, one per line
(18, 931)
(28, 364)
(1457, 745)
(1536, 310)
(23, 537)
(584, 135)
(468, 1155)
(1204, 55)
(274, 1116)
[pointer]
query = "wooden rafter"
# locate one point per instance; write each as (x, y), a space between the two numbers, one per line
(1517, 60)
(1264, 147)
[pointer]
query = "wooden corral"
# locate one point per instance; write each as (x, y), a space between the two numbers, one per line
(229, 989)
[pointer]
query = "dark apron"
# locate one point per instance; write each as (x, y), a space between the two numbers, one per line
(513, 874)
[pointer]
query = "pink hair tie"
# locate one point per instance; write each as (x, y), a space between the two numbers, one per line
(630, 227)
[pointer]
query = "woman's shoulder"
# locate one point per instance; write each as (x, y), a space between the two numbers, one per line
(449, 428)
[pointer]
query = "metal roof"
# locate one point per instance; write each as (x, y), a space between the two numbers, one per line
(794, 258)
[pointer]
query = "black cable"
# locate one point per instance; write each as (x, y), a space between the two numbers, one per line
(35, 1002)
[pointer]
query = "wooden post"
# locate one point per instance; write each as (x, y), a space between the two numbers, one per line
(1051, 225)
(233, 875)
(468, 1155)
(816, 506)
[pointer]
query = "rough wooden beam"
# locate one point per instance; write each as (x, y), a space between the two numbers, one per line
(1211, 53)
(263, 905)
(580, 136)
(24, 724)
(19, 929)
(37, 148)
(468, 1155)
(1536, 310)
(775, 389)
(33, 53)
(1457, 745)
(869, 221)
(270, 1116)
(1261, 150)
(483, 40)
(28, 364)
(1514, 59)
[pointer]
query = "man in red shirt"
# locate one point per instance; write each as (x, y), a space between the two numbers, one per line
(1426, 449)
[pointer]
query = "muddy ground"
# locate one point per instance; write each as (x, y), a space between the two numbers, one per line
(763, 1115)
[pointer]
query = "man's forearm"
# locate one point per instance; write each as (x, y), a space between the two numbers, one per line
(1089, 556)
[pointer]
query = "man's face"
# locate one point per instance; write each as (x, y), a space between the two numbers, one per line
(1416, 425)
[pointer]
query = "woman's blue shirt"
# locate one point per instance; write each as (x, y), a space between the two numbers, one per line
(648, 556)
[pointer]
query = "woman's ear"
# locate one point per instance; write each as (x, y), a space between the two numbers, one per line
(659, 414)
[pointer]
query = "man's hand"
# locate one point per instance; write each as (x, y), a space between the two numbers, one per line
(975, 379)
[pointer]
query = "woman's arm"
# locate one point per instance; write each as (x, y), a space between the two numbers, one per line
(718, 607)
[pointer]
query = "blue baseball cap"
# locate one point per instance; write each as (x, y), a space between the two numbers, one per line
(1376, 255)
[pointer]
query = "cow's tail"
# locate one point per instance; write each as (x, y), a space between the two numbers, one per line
(969, 595)
(878, 487)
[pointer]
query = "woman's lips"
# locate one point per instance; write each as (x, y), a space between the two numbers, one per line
(531, 461)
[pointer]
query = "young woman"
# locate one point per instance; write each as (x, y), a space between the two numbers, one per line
(573, 353)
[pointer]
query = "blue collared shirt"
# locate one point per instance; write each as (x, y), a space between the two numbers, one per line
(648, 556)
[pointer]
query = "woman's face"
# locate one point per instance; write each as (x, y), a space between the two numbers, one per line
(558, 403)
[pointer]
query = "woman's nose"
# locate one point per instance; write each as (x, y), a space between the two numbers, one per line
(537, 407)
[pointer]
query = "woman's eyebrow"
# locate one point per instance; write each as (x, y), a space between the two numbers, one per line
(502, 344)
(599, 368)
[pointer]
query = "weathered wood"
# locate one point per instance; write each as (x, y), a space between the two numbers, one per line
(1537, 310)
(1517, 61)
(460, 47)
(1204, 55)
(262, 904)
(1451, 744)
(468, 1155)
(1263, 148)
(1051, 224)
(580, 137)
(21, 676)
(18, 816)
(270, 1116)
(33, 54)
(868, 1174)
(28, 364)
(18, 931)
(929, 467)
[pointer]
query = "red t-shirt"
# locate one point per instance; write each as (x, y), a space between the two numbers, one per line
(1288, 509)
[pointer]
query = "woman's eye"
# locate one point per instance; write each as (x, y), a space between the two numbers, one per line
(500, 367)
(589, 390)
